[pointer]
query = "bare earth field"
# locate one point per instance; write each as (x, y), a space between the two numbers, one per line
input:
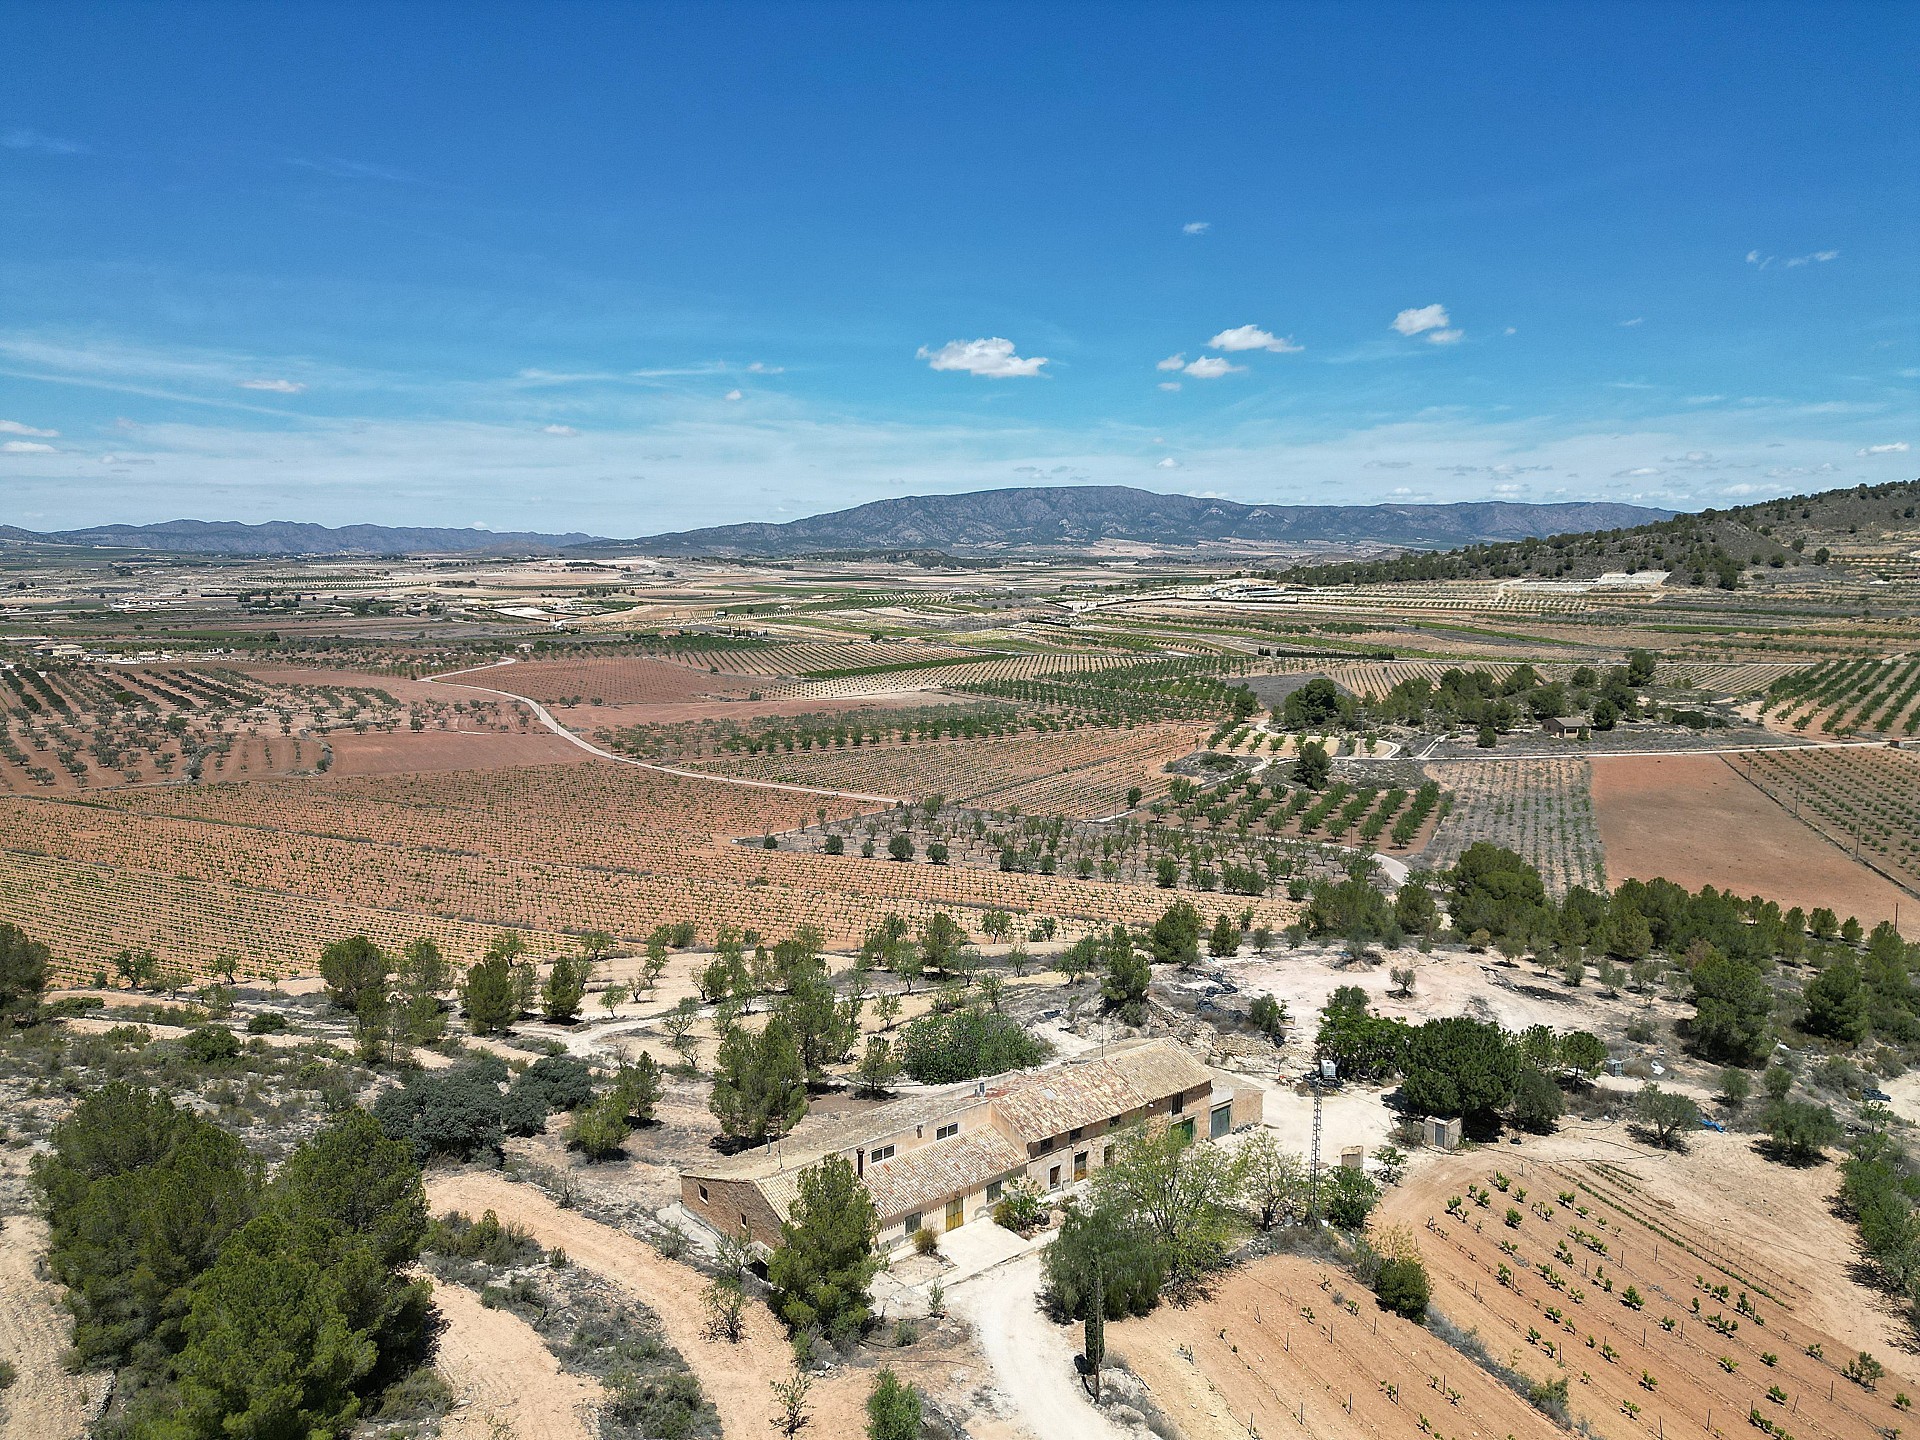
(1273, 1345)
(1546, 1287)
(622, 681)
(427, 752)
(1690, 819)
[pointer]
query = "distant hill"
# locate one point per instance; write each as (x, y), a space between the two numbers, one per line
(1080, 517)
(1713, 547)
(287, 537)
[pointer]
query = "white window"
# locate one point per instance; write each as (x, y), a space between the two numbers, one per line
(947, 1132)
(703, 1194)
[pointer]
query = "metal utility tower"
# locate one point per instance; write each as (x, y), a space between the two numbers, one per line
(1313, 1183)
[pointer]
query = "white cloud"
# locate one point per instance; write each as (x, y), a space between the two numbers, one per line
(1704, 399)
(1444, 337)
(25, 447)
(111, 459)
(1167, 464)
(1169, 384)
(735, 395)
(1636, 320)
(1252, 337)
(757, 368)
(1421, 319)
(558, 430)
(278, 387)
(1172, 362)
(1817, 257)
(1388, 465)
(14, 427)
(992, 358)
(1895, 447)
(19, 139)
(1196, 227)
(1211, 367)
(1510, 330)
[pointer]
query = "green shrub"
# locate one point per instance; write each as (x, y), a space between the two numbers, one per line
(211, 1045)
(455, 1112)
(1402, 1287)
(940, 1049)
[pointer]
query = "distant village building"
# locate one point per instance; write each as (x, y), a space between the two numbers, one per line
(1556, 728)
(944, 1157)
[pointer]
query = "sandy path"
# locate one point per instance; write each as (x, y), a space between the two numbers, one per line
(734, 1376)
(1032, 1358)
(501, 1372)
(44, 1403)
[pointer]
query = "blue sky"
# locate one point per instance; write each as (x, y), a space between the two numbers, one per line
(628, 268)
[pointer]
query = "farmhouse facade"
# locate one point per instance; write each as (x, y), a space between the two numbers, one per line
(942, 1158)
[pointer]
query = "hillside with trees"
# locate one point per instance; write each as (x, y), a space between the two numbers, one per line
(1710, 548)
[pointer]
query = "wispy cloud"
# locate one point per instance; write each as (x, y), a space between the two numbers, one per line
(1196, 227)
(1167, 464)
(992, 358)
(1211, 367)
(1792, 262)
(1429, 322)
(14, 427)
(735, 395)
(25, 447)
(757, 368)
(1892, 447)
(354, 170)
(1169, 384)
(278, 387)
(1252, 337)
(23, 139)
(558, 430)
(1636, 320)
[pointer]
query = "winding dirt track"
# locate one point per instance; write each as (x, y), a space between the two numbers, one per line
(734, 1376)
(501, 1373)
(545, 717)
(44, 1402)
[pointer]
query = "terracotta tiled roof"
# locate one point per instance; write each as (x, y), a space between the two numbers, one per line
(1055, 1101)
(933, 1174)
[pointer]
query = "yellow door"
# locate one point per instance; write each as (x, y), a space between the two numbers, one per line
(956, 1214)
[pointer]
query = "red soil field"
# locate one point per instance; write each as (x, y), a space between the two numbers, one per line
(1543, 1272)
(433, 751)
(1691, 819)
(623, 681)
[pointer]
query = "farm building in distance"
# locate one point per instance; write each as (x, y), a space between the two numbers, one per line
(943, 1157)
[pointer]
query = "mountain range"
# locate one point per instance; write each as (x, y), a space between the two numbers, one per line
(1080, 517)
(290, 537)
(1041, 519)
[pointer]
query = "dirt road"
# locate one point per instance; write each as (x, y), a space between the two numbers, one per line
(734, 1376)
(1032, 1358)
(501, 1373)
(545, 717)
(44, 1402)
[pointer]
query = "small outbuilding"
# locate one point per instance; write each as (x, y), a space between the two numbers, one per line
(1442, 1134)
